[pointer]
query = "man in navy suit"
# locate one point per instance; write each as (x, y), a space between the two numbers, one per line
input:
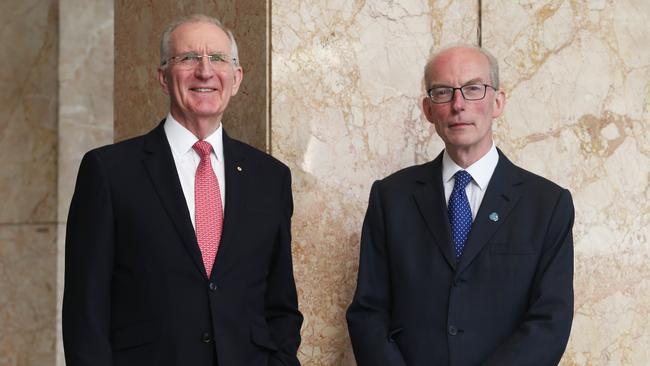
(468, 259)
(178, 246)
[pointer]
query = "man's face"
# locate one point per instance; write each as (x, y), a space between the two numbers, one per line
(463, 125)
(201, 92)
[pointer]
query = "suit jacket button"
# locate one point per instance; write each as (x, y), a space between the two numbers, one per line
(205, 338)
(213, 286)
(453, 330)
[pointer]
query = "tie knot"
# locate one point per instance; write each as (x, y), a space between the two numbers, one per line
(462, 179)
(203, 148)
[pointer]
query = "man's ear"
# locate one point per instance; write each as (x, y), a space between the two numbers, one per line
(238, 75)
(162, 79)
(499, 103)
(426, 109)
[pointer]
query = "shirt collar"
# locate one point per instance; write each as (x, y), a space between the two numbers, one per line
(481, 171)
(181, 139)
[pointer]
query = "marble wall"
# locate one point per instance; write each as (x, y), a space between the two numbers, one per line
(140, 103)
(85, 105)
(28, 180)
(345, 93)
(57, 97)
(337, 98)
(346, 84)
(578, 79)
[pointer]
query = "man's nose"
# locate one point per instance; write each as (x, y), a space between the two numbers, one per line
(204, 69)
(458, 100)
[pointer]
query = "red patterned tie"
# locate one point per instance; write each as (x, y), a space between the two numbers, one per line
(207, 202)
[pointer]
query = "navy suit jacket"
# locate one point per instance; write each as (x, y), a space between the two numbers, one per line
(136, 291)
(508, 301)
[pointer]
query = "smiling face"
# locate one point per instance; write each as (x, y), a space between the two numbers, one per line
(464, 126)
(199, 95)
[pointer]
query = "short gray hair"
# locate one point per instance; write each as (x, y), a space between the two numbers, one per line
(194, 18)
(494, 64)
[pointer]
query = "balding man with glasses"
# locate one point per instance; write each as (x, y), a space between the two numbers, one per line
(178, 246)
(468, 259)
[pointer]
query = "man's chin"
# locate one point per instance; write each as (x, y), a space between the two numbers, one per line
(206, 113)
(460, 139)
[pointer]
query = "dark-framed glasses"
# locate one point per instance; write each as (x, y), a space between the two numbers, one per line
(191, 60)
(445, 94)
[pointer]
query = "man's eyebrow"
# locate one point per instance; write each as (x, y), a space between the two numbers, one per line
(187, 53)
(469, 82)
(474, 81)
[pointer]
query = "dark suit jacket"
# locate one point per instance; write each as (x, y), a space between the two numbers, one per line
(509, 301)
(136, 292)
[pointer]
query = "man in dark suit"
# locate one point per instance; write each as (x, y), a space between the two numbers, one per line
(178, 246)
(468, 259)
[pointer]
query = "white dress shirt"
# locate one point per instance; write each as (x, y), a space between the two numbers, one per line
(187, 160)
(481, 172)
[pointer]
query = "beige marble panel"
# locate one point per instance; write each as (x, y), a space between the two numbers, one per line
(28, 153)
(60, 272)
(139, 101)
(28, 104)
(346, 88)
(578, 78)
(28, 294)
(85, 87)
(85, 105)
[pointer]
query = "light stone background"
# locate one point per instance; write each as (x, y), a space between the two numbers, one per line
(578, 78)
(343, 95)
(346, 80)
(86, 54)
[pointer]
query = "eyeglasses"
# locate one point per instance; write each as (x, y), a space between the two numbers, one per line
(445, 94)
(191, 60)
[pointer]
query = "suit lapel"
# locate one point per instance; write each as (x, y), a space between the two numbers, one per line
(159, 163)
(236, 172)
(430, 199)
(503, 192)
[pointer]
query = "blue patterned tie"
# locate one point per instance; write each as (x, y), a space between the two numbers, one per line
(460, 214)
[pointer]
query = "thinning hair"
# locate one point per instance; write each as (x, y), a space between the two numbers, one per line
(194, 18)
(494, 64)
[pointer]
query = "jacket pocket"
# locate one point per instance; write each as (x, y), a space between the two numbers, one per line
(261, 336)
(511, 248)
(134, 335)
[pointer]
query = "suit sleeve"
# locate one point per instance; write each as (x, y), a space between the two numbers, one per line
(368, 316)
(88, 268)
(542, 336)
(282, 314)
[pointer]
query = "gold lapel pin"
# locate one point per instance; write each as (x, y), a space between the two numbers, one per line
(239, 169)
